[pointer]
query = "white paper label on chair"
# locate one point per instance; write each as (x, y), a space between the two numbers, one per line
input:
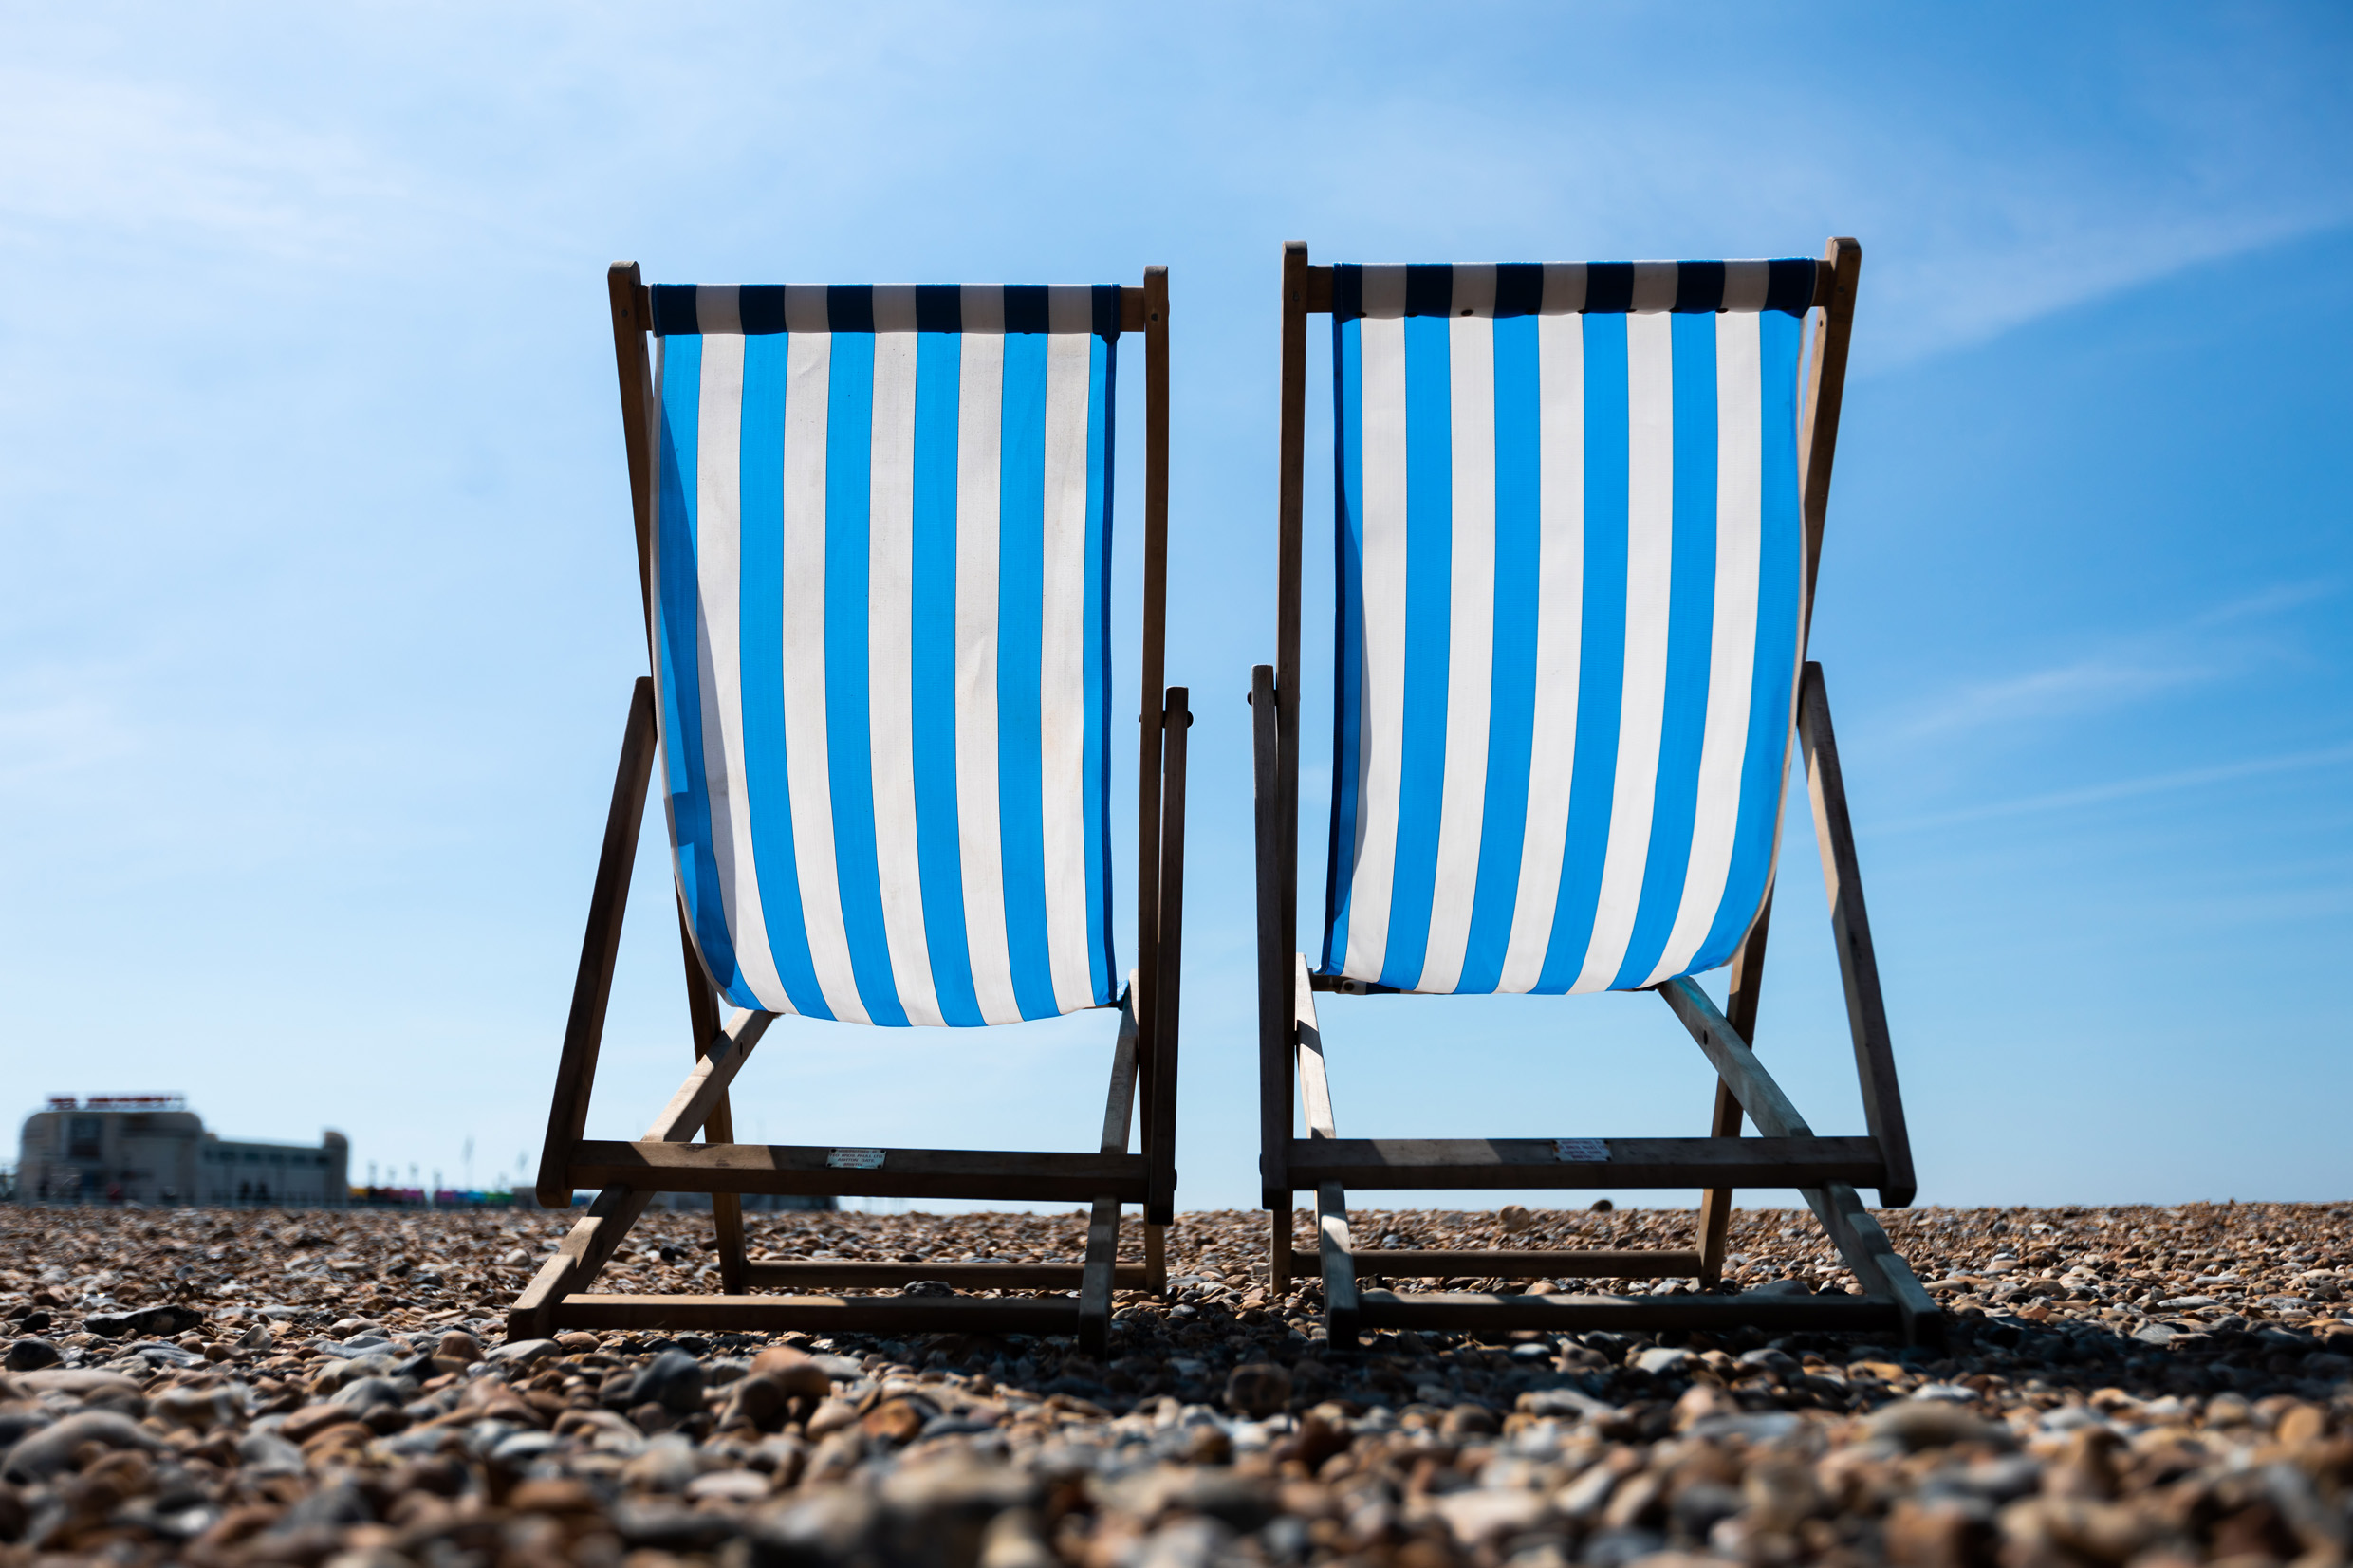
(855, 1159)
(1580, 1149)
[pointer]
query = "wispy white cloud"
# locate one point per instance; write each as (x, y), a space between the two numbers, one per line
(2124, 789)
(2219, 643)
(104, 156)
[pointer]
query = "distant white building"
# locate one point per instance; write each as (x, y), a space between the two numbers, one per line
(152, 1148)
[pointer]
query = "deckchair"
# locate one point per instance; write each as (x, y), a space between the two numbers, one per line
(1579, 513)
(874, 543)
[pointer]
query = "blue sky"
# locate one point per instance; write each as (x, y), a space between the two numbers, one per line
(320, 614)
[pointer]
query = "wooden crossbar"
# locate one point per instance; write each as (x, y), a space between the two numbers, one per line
(1468, 1163)
(826, 1315)
(856, 1274)
(841, 1172)
(1405, 1263)
(1487, 1313)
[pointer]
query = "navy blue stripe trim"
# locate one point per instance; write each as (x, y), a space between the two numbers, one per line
(1609, 288)
(1519, 288)
(938, 308)
(1347, 292)
(849, 307)
(762, 307)
(1789, 286)
(1698, 288)
(674, 310)
(1430, 289)
(1025, 308)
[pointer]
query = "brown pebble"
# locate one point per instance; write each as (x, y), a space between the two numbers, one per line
(2302, 1424)
(1937, 1535)
(1258, 1389)
(1209, 1446)
(552, 1495)
(758, 1402)
(310, 1421)
(458, 1346)
(895, 1420)
(1469, 1421)
(795, 1372)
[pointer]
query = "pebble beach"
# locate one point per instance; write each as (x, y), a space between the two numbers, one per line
(2136, 1387)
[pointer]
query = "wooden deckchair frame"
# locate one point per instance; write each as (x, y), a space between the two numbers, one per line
(667, 1159)
(1826, 1171)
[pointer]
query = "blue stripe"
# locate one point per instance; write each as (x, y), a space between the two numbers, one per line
(679, 641)
(1512, 701)
(760, 631)
(1781, 559)
(1429, 624)
(1690, 635)
(1348, 623)
(849, 732)
(1021, 597)
(932, 671)
(1101, 966)
(1601, 657)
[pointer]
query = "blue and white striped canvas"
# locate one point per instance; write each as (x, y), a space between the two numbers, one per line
(1570, 572)
(882, 552)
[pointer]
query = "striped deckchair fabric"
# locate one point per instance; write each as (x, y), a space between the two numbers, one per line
(1572, 571)
(881, 547)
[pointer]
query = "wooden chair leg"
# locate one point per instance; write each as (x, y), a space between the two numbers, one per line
(1102, 1249)
(1279, 1253)
(727, 1209)
(1168, 980)
(1339, 1298)
(1155, 1258)
(1850, 930)
(1747, 980)
(577, 1261)
(1716, 1205)
(592, 986)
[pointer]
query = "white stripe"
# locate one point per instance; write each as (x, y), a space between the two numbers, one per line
(1471, 639)
(1746, 283)
(1654, 287)
(890, 693)
(1563, 289)
(894, 309)
(1650, 563)
(1062, 671)
(1559, 633)
(1382, 723)
(804, 308)
(808, 370)
(979, 419)
(718, 528)
(1069, 307)
(1474, 289)
(1732, 653)
(982, 309)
